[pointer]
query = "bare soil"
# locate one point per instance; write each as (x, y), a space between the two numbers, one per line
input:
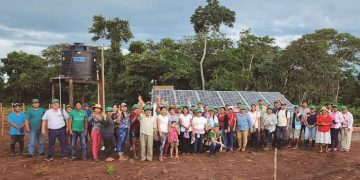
(291, 164)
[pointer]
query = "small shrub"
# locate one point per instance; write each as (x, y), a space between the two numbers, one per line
(110, 169)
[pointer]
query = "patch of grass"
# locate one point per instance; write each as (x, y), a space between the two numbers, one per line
(110, 169)
(41, 170)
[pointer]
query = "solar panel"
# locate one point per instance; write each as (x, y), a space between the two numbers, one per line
(218, 98)
(210, 98)
(231, 97)
(167, 95)
(182, 95)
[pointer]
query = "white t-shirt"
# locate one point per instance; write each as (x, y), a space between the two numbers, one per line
(199, 124)
(282, 117)
(254, 116)
(164, 122)
(55, 119)
(185, 121)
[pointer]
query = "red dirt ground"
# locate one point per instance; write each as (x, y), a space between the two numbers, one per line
(292, 164)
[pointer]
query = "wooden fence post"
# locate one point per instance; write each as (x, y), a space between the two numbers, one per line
(2, 118)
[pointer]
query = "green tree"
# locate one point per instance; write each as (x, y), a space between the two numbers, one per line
(28, 77)
(207, 19)
(117, 31)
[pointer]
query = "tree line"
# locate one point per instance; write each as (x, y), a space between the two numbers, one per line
(322, 66)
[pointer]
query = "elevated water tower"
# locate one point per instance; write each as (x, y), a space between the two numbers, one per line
(78, 66)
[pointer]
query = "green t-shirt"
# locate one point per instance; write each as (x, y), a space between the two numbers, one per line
(78, 119)
(212, 134)
(35, 118)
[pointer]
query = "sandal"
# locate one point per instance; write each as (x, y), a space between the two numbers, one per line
(161, 159)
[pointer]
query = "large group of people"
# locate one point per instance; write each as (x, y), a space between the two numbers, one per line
(172, 130)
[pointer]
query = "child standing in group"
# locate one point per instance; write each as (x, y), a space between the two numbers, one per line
(174, 140)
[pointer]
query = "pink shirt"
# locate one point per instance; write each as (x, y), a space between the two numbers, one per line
(348, 120)
(337, 119)
(173, 135)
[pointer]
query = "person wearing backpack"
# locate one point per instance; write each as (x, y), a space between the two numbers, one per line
(283, 116)
(57, 121)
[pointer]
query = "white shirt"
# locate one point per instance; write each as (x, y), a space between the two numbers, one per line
(185, 121)
(199, 124)
(55, 119)
(254, 116)
(164, 122)
(283, 117)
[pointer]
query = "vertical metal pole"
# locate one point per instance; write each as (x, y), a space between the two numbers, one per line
(60, 90)
(102, 76)
(52, 89)
(98, 86)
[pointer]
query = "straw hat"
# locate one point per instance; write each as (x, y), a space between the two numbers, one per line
(97, 106)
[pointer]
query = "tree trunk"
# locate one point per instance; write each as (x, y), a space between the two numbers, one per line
(202, 62)
(337, 91)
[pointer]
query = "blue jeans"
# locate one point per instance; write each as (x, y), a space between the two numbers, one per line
(231, 134)
(198, 144)
(75, 136)
(213, 148)
(267, 136)
(224, 138)
(60, 134)
(121, 134)
(36, 135)
(313, 133)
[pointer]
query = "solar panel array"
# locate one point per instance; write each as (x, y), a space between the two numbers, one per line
(218, 98)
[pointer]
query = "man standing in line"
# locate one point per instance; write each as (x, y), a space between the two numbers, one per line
(78, 129)
(283, 116)
(304, 111)
(33, 126)
(57, 125)
(16, 120)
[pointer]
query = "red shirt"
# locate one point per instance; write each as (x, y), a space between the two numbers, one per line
(221, 120)
(323, 119)
(232, 119)
(135, 126)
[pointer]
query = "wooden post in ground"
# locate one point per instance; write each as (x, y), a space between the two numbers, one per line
(275, 163)
(23, 107)
(71, 91)
(2, 118)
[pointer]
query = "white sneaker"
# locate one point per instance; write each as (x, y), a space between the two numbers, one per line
(102, 148)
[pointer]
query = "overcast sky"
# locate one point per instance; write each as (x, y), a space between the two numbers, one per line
(32, 25)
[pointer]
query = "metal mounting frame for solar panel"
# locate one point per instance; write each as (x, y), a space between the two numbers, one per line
(218, 98)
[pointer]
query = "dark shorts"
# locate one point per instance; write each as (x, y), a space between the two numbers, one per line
(134, 134)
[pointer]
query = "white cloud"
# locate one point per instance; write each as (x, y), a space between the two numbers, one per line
(285, 40)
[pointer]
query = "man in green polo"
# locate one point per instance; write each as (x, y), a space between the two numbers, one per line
(33, 127)
(78, 128)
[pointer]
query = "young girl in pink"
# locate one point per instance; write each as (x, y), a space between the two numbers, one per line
(173, 140)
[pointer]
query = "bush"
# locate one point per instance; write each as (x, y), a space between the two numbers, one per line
(356, 113)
